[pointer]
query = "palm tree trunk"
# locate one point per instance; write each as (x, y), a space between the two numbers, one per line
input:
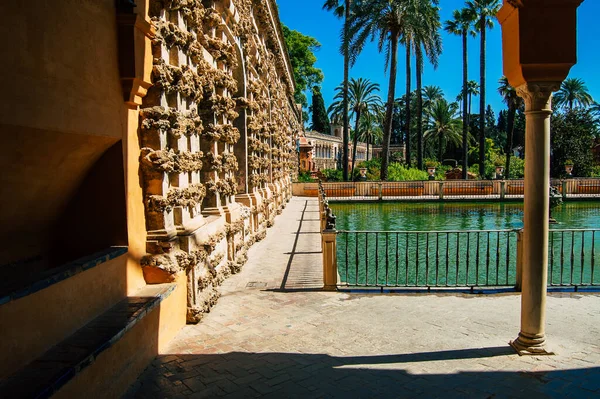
(419, 57)
(389, 110)
(355, 143)
(440, 152)
(482, 27)
(368, 139)
(465, 130)
(345, 99)
(510, 130)
(407, 105)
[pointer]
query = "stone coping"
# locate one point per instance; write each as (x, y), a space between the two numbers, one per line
(46, 279)
(46, 375)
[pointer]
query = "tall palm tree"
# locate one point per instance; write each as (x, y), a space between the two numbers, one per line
(362, 100)
(461, 24)
(384, 20)
(370, 128)
(342, 8)
(573, 93)
(431, 94)
(485, 12)
(445, 125)
(425, 24)
(510, 98)
(472, 90)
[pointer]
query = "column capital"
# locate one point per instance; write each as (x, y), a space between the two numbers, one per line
(537, 95)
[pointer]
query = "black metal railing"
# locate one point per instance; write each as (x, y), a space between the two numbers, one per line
(572, 257)
(462, 259)
(427, 258)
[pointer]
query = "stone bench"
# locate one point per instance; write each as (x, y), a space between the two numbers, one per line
(47, 374)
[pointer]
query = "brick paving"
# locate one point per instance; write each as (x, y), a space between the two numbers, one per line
(274, 334)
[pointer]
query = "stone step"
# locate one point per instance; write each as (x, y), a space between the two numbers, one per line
(46, 375)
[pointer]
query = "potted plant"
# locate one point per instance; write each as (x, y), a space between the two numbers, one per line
(431, 165)
(569, 167)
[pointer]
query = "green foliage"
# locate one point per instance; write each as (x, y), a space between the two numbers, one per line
(304, 177)
(571, 139)
(320, 120)
(595, 171)
(332, 174)
(517, 168)
(398, 172)
(301, 50)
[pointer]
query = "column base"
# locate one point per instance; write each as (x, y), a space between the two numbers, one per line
(531, 345)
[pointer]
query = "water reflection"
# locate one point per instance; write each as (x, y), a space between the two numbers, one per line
(393, 216)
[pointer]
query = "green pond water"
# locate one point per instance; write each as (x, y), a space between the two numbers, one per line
(448, 244)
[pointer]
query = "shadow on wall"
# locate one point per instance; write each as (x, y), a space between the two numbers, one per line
(320, 375)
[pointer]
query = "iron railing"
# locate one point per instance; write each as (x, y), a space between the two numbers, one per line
(460, 259)
(427, 258)
(572, 259)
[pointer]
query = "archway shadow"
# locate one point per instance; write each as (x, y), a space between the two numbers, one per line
(287, 375)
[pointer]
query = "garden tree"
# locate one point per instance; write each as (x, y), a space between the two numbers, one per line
(341, 8)
(430, 95)
(492, 131)
(573, 93)
(362, 99)
(571, 139)
(513, 101)
(445, 126)
(425, 24)
(370, 128)
(461, 24)
(398, 121)
(320, 121)
(485, 11)
(301, 50)
(384, 20)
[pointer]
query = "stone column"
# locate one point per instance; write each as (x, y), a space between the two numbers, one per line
(537, 96)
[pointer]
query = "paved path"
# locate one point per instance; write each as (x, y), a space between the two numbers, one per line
(273, 335)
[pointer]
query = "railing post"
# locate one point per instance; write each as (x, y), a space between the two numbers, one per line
(441, 193)
(328, 237)
(502, 189)
(519, 282)
(564, 189)
(380, 191)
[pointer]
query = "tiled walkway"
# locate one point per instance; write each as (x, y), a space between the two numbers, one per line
(273, 335)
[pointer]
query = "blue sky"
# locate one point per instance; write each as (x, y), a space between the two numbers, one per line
(308, 17)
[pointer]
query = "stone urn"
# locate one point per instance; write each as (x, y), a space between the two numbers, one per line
(499, 172)
(431, 172)
(569, 169)
(363, 174)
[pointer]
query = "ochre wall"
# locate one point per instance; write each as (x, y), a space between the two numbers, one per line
(117, 368)
(31, 325)
(63, 109)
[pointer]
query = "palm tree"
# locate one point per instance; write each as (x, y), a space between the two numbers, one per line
(342, 8)
(573, 93)
(425, 24)
(445, 125)
(461, 25)
(384, 20)
(472, 90)
(370, 128)
(430, 95)
(485, 11)
(362, 100)
(510, 98)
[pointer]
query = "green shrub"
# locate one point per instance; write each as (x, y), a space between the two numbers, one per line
(595, 171)
(304, 177)
(517, 168)
(397, 172)
(332, 174)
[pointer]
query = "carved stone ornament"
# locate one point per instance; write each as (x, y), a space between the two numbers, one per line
(537, 95)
